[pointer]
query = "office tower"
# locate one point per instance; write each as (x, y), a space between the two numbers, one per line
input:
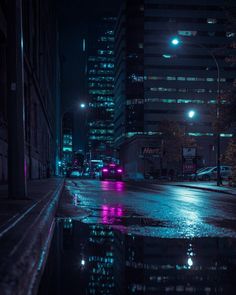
(100, 70)
(171, 65)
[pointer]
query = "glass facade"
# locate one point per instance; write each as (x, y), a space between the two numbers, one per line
(100, 90)
(156, 81)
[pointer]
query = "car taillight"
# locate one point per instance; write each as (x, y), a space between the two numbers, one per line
(119, 170)
(105, 170)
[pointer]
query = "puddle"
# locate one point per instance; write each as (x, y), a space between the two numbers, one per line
(98, 259)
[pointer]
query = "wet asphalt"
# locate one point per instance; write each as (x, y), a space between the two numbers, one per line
(148, 209)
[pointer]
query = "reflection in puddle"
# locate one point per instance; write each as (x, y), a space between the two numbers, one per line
(97, 259)
(117, 186)
(110, 214)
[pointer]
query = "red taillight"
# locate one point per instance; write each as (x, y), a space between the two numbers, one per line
(104, 170)
(119, 170)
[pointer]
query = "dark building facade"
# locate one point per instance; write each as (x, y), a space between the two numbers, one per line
(156, 80)
(41, 88)
(100, 70)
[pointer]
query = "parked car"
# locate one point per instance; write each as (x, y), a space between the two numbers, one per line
(211, 173)
(194, 175)
(111, 171)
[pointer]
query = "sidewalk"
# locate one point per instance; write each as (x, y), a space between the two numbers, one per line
(26, 228)
(209, 186)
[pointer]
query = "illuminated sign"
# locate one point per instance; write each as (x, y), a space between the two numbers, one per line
(150, 151)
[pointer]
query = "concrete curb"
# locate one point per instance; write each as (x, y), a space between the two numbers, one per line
(204, 188)
(25, 247)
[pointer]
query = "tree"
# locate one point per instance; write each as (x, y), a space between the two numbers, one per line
(230, 158)
(172, 139)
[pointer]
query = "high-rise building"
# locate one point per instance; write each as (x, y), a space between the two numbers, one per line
(100, 70)
(158, 80)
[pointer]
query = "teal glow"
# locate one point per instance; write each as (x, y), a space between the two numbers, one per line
(209, 134)
(175, 41)
(67, 149)
(191, 114)
(226, 135)
(167, 55)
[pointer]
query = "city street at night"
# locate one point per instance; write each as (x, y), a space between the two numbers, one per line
(155, 210)
(128, 238)
(117, 147)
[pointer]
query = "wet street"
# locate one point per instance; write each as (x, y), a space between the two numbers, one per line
(156, 210)
(142, 238)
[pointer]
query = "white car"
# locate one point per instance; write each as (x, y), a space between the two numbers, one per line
(194, 175)
(211, 173)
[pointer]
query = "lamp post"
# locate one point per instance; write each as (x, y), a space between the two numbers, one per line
(175, 42)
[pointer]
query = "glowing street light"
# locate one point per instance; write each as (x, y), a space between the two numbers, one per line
(82, 105)
(191, 114)
(175, 41)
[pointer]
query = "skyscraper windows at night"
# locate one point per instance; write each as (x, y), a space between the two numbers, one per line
(171, 58)
(100, 90)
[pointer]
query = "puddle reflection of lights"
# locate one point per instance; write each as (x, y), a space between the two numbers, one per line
(190, 223)
(109, 214)
(117, 186)
(190, 254)
(188, 196)
(67, 223)
(75, 199)
(82, 262)
(190, 262)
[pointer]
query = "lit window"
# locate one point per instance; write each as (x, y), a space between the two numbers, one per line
(167, 55)
(209, 79)
(187, 33)
(211, 21)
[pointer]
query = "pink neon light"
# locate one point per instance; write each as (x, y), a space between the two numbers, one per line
(119, 170)
(109, 214)
(105, 170)
(119, 212)
(112, 165)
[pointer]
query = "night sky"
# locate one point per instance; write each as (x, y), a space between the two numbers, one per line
(77, 19)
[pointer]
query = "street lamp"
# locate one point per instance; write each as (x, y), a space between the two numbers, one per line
(176, 41)
(82, 105)
(191, 114)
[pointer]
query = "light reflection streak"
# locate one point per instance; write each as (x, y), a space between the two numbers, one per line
(111, 213)
(117, 186)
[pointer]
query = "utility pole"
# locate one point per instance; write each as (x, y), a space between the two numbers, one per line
(17, 174)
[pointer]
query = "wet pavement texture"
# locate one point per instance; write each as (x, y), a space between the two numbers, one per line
(143, 238)
(98, 259)
(155, 210)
